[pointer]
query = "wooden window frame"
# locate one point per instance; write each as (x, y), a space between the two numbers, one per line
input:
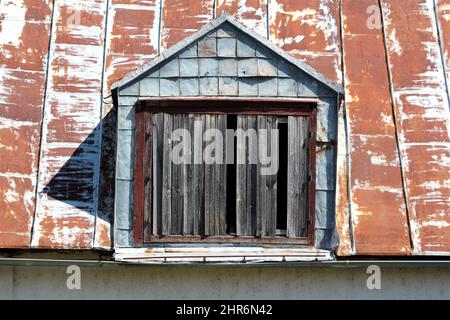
(256, 106)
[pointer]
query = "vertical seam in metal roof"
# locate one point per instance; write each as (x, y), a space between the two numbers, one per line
(159, 25)
(100, 126)
(41, 131)
(268, 19)
(346, 130)
(394, 117)
(441, 51)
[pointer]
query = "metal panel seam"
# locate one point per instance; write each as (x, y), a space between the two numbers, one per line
(100, 133)
(268, 18)
(159, 25)
(394, 117)
(441, 51)
(44, 98)
(347, 135)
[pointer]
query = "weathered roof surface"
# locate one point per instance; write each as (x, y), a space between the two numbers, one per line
(57, 65)
(213, 26)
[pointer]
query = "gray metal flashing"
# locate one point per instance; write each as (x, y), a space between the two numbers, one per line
(341, 263)
(213, 25)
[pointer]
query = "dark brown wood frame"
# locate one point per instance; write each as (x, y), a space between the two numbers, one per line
(143, 153)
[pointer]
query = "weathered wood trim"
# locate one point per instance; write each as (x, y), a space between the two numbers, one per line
(312, 178)
(229, 239)
(139, 193)
(279, 107)
(148, 175)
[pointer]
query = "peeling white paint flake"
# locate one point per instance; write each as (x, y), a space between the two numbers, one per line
(327, 24)
(432, 185)
(445, 9)
(394, 44)
(13, 23)
(258, 24)
(436, 223)
(11, 195)
(156, 27)
(380, 160)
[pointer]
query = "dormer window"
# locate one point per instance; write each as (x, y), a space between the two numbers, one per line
(209, 170)
(226, 140)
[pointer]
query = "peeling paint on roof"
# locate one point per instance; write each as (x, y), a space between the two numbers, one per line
(180, 18)
(394, 145)
(422, 112)
(24, 37)
(252, 13)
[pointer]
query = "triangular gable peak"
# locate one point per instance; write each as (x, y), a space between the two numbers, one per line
(215, 40)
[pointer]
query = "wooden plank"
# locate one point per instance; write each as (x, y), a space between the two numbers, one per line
(198, 199)
(245, 180)
(230, 239)
(221, 181)
(188, 183)
(167, 176)
(177, 184)
(148, 168)
(215, 183)
(297, 176)
(267, 184)
(158, 129)
(138, 208)
(209, 186)
(312, 158)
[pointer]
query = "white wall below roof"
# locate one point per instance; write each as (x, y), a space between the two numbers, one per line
(211, 282)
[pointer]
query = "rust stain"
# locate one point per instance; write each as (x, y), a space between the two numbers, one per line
(17, 206)
(24, 36)
(421, 104)
(68, 181)
(65, 231)
(181, 18)
(252, 13)
(132, 39)
(443, 13)
(379, 219)
(309, 30)
(343, 225)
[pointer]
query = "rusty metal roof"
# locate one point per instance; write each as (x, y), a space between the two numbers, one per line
(59, 59)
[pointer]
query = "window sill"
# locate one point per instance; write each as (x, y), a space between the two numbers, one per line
(220, 254)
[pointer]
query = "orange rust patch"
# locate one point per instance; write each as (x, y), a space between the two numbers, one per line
(16, 208)
(309, 30)
(181, 18)
(64, 232)
(252, 13)
(423, 119)
(378, 208)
